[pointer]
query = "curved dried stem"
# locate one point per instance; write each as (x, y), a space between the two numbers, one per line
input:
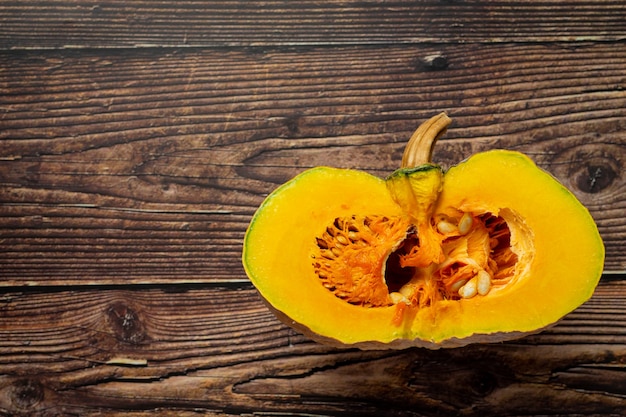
(419, 149)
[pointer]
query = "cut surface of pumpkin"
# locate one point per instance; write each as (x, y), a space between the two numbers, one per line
(491, 250)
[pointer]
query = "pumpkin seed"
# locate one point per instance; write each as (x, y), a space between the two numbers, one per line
(342, 239)
(465, 224)
(483, 282)
(457, 285)
(446, 227)
(409, 289)
(321, 243)
(470, 289)
(396, 297)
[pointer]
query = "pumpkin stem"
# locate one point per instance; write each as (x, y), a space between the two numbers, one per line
(419, 149)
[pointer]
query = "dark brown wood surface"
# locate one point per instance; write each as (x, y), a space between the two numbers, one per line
(138, 138)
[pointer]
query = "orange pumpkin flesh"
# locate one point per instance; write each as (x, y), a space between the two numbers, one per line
(491, 250)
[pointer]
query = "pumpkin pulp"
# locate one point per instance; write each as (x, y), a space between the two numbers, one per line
(422, 257)
(353, 260)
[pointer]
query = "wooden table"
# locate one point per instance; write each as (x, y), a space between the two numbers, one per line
(137, 139)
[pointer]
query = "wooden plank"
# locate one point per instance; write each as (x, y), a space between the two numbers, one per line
(137, 139)
(85, 24)
(125, 167)
(108, 351)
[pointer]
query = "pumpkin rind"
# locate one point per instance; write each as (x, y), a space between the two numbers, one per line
(560, 254)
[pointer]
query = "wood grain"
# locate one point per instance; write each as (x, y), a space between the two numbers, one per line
(126, 167)
(138, 138)
(88, 24)
(220, 349)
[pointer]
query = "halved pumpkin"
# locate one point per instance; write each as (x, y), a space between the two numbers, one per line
(493, 249)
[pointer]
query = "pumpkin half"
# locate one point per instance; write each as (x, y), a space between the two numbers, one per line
(493, 249)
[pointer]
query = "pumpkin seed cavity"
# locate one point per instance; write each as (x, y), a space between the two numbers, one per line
(377, 261)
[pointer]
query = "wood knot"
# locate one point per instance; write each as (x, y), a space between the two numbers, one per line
(26, 394)
(126, 323)
(483, 383)
(292, 124)
(589, 169)
(595, 178)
